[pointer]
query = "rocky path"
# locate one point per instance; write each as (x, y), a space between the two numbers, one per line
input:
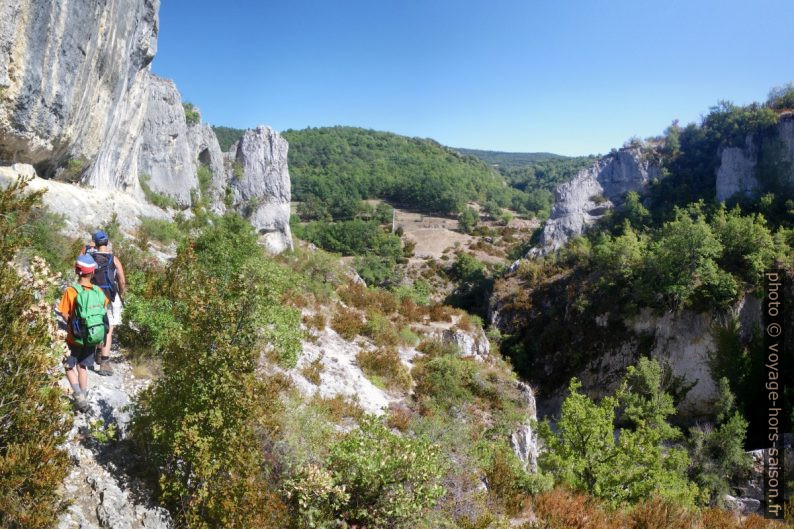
(99, 485)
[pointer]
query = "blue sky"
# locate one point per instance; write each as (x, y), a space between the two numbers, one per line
(570, 77)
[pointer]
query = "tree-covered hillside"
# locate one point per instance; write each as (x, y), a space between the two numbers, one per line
(510, 159)
(537, 174)
(335, 168)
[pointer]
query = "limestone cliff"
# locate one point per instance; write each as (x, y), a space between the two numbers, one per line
(65, 68)
(78, 102)
(747, 170)
(584, 199)
(259, 180)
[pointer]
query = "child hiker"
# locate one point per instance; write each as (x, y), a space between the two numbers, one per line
(109, 276)
(83, 310)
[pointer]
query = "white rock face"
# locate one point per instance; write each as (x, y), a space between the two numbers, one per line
(524, 439)
(262, 194)
(163, 146)
(584, 199)
(470, 343)
(65, 67)
(166, 154)
(340, 374)
(84, 209)
(737, 172)
(683, 341)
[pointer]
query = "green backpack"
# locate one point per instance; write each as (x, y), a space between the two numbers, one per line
(89, 323)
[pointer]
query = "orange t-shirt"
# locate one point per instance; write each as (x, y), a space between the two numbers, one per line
(66, 308)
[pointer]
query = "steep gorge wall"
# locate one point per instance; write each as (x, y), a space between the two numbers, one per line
(739, 172)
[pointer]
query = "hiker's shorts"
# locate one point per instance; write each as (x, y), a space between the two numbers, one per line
(114, 312)
(81, 355)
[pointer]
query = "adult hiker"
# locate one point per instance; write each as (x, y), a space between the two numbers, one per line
(110, 278)
(83, 310)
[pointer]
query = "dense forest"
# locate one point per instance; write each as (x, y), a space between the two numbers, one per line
(509, 159)
(334, 168)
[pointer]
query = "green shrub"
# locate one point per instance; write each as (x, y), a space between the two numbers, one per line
(380, 330)
(74, 170)
(204, 177)
(43, 231)
(445, 380)
(782, 97)
(468, 219)
(161, 230)
(634, 465)
(33, 425)
(198, 424)
(392, 480)
(192, 114)
(158, 199)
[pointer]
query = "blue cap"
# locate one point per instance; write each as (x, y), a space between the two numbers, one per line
(100, 237)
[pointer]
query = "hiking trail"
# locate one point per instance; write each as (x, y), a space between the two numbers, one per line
(100, 485)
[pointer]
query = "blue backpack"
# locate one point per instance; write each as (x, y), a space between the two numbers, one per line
(105, 275)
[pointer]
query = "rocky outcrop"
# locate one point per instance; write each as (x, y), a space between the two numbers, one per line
(105, 495)
(85, 210)
(65, 68)
(166, 155)
(738, 172)
(585, 198)
(471, 343)
(524, 439)
(260, 184)
(162, 145)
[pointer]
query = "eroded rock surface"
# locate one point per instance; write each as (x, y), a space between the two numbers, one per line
(738, 172)
(84, 210)
(260, 184)
(65, 67)
(585, 198)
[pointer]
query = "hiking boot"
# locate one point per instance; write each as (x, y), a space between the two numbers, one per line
(81, 403)
(104, 368)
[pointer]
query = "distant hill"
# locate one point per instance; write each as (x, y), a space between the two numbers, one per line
(510, 159)
(336, 167)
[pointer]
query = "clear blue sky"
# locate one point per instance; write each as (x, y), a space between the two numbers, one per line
(571, 77)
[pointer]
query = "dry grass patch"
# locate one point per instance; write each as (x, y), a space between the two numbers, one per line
(338, 408)
(348, 323)
(316, 321)
(313, 370)
(384, 368)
